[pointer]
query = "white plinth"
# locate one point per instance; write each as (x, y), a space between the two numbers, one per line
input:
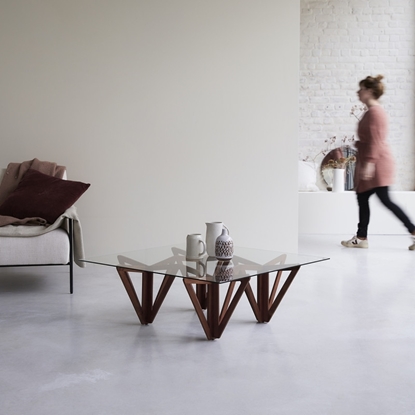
(335, 213)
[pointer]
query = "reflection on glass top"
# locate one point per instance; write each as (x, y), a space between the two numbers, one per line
(171, 260)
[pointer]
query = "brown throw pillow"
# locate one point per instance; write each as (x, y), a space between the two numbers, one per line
(42, 196)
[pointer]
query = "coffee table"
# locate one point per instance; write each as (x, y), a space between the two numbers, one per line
(202, 279)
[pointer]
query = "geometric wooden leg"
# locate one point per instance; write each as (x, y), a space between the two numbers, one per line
(254, 305)
(197, 306)
(201, 293)
(274, 305)
(263, 296)
(146, 310)
(265, 304)
(216, 318)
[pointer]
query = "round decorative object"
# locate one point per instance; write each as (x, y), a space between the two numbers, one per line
(340, 153)
(224, 246)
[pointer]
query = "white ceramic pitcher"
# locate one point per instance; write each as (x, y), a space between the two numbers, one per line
(213, 230)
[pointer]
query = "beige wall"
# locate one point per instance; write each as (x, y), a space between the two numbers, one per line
(177, 112)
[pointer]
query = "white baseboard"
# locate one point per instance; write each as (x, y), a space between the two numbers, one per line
(335, 213)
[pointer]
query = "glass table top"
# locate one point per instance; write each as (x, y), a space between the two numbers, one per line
(171, 260)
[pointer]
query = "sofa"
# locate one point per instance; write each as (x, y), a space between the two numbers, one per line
(42, 244)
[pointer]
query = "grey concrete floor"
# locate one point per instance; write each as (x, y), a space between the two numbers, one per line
(341, 343)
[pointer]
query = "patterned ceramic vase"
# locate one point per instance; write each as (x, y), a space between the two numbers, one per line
(224, 246)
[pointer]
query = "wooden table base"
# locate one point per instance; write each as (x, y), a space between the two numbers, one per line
(205, 295)
(266, 303)
(208, 298)
(146, 309)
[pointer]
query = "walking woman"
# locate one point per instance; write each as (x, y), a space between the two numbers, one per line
(374, 165)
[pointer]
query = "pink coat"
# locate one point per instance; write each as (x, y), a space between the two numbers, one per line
(373, 148)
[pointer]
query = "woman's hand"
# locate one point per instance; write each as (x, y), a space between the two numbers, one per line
(368, 171)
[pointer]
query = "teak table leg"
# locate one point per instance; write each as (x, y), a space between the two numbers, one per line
(215, 321)
(213, 310)
(147, 295)
(201, 295)
(265, 305)
(146, 310)
(274, 305)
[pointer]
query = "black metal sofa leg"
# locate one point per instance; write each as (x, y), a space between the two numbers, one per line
(70, 255)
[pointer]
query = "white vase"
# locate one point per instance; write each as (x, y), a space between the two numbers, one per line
(213, 230)
(338, 180)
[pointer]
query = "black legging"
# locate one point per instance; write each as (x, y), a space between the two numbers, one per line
(364, 211)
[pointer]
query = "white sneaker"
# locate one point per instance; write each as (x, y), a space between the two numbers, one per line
(412, 247)
(357, 243)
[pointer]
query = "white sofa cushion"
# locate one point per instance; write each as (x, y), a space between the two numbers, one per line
(49, 248)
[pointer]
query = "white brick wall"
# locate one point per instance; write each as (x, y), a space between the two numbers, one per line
(342, 42)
